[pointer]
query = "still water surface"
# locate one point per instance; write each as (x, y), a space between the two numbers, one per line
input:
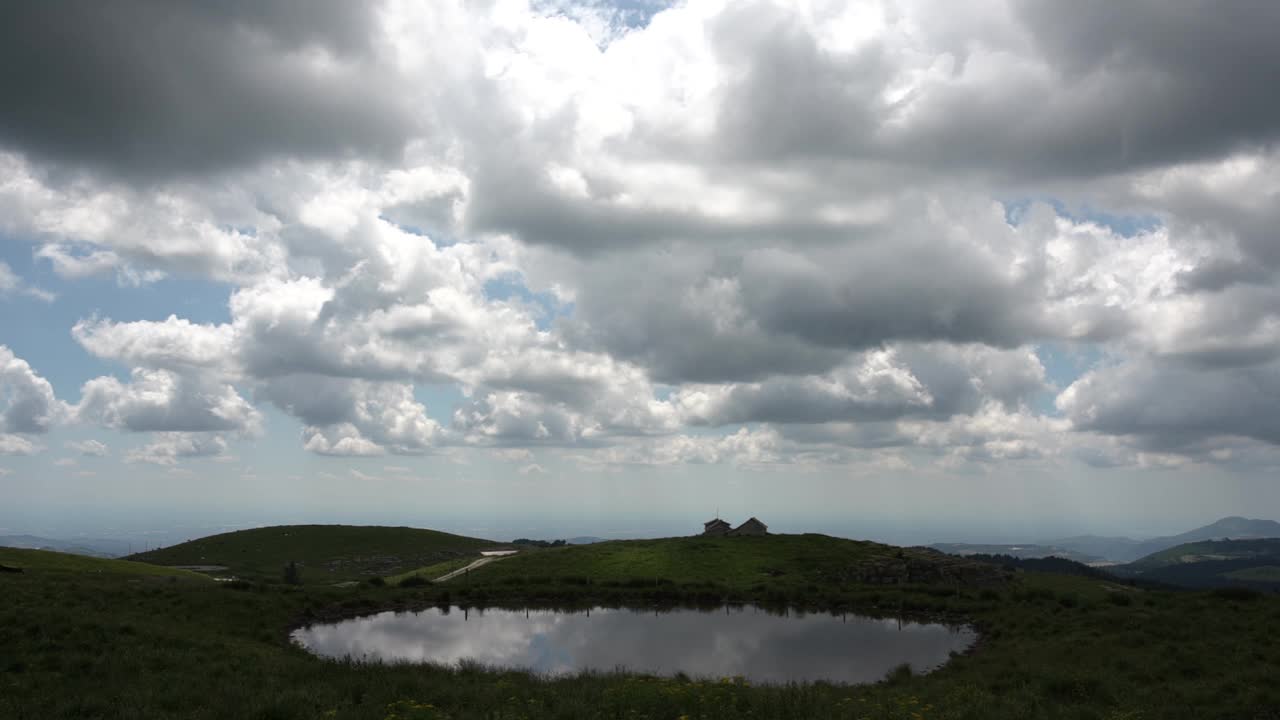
(746, 642)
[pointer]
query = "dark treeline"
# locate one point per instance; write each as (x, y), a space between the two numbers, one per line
(539, 543)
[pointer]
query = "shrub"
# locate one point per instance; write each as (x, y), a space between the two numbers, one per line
(899, 674)
(1122, 599)
(413, 581)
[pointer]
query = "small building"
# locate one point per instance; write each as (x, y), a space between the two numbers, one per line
(716, 527)
(751, 527)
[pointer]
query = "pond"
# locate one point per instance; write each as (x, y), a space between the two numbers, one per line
(764, 647)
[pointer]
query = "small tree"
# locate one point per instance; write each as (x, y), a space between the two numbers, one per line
(291, 574)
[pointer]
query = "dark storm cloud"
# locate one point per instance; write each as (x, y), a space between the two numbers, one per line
(146, 88)
(914, 291)
(787, 96)
(1105, 87)
(1169, 404)
(934, 382)
(1133, 84)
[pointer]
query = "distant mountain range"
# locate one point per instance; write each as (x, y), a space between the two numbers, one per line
(92, 547)
(1100, 550)
(1211, 563)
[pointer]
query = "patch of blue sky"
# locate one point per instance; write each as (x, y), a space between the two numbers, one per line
(663, 393)
(720, 431)
(1063, 364)
(279, 446)
(638, 13)
(439, 236)
(40, 332)
(511, 288)
(440, 400)
(622, 15)
(246, 230)
(1015, 211)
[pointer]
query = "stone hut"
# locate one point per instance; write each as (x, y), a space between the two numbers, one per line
(751, 527)
(716, 527)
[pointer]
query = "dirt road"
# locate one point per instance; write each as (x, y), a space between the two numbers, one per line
(462, 571)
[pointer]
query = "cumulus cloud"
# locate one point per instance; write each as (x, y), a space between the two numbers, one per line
(903, 381)
(160, 400)
(173, 343)
(825, 230)
(89, 448)
(219, 87)
(29, 405)
(743, 448)
(167, 448)
(1169, 404)
(17, 445)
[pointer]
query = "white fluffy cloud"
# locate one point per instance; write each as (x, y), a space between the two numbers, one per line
(27, 405)
(174, 343)
(89, 448)
(167, 448)
(160, 401)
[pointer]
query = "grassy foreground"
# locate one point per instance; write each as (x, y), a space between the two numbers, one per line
(325, 554)
(79, 643)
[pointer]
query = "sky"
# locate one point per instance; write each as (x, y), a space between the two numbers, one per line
(902, 270)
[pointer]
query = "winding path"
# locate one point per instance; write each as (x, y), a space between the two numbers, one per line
(462, 570)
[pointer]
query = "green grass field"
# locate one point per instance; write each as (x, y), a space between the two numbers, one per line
(325, 554)
(431, 572)
(1262, 573)
(39, 562)
(736, 564)
(1208, 550)
(85, 644)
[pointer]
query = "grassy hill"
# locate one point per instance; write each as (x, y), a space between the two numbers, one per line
(1227, 528)
(1213, 563)
(323, 553)
(736, 564)
(43, 561)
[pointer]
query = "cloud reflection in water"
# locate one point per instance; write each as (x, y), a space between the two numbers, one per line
(742, 641)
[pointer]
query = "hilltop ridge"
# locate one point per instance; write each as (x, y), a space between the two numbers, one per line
(323, 553)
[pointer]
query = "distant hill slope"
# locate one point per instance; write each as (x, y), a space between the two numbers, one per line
(1212, 563)
(91, 547)
(1023, 550)
(738, 562)
(50, 561)
(324, 553)
(1104, 548)
(1123, 550)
